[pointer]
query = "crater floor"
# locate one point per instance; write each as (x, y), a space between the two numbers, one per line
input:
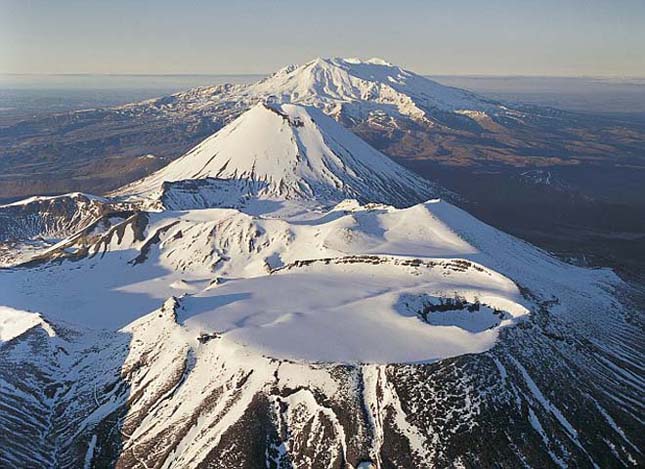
(358, 309)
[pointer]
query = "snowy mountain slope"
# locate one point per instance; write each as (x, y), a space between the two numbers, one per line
(181, 400)
(14, 323)
(32, 226)
(52, 395)
(403, 114)
(233, 310)
(157, 254)
(197, 372)
(354, 86)
(360, 86)
(49, 217)
(291, 152)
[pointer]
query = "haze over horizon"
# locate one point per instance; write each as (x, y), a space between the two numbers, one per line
(229, 239)
(578, 38)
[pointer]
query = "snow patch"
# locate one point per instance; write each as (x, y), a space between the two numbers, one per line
(14, 323)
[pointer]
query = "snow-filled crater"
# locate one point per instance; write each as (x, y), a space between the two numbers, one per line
(368, 309)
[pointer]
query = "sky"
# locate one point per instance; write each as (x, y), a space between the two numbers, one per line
(491, 37)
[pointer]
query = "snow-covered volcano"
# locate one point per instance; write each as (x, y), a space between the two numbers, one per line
(173, 325)
(287, 151)
(360, 86)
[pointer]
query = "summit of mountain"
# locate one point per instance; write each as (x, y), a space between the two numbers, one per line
(288, 151)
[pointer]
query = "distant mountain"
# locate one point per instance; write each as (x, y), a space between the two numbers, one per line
(283, 296)
(360, 87)
(404, 115)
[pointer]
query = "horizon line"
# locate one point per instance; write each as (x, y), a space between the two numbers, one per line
(464, 75)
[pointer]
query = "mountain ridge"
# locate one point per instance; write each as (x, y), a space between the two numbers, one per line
(401, 122)
(222, 313)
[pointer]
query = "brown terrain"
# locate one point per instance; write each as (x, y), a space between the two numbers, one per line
(572, 183)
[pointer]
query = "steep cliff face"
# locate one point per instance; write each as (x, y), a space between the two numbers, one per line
(49, 217)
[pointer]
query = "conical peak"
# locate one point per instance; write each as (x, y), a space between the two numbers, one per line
(288, 151)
